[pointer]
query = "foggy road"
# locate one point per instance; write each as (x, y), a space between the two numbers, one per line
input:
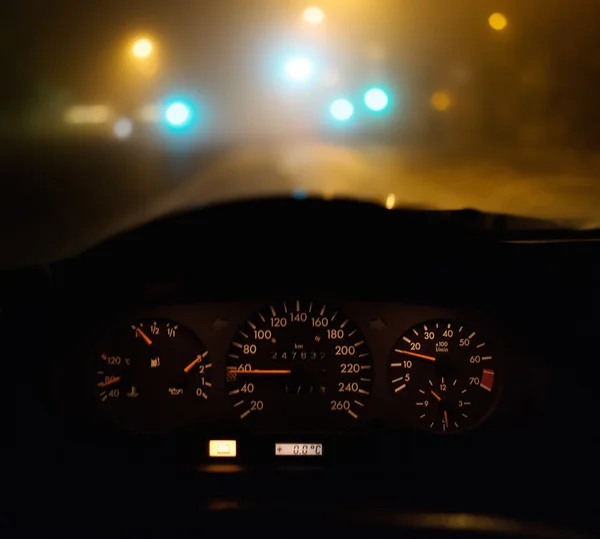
(70, 198)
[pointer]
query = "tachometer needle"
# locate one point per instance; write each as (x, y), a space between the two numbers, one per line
(406, 352)
(143, 336)
(110, 382)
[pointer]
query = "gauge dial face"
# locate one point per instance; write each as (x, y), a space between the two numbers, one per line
(299, 366)
(151, 374)
(447, 375)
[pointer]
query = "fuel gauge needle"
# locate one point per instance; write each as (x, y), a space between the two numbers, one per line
(143, 336)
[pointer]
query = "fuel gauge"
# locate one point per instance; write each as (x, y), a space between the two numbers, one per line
(152, 375)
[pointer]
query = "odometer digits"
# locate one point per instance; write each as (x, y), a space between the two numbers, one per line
(299, 367)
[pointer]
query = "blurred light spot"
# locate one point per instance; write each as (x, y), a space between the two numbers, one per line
(178, 114)
(341, 109)
(376, 99)
(299, 69)
(390, 201)
(497, 21)
(142, 48)
(441, 101)
(314, 15)
(87, 114)
(123, 128)
(149, 114)
(300, 194)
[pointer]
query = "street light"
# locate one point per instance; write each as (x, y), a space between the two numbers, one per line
(178, 114)
(314, 15)
(299, 69)
(376, 99)
(341, 109)
(497, 21)
(142, 48)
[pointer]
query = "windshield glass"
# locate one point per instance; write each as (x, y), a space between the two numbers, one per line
(447, 104)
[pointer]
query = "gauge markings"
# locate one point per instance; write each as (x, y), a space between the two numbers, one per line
(302, 366)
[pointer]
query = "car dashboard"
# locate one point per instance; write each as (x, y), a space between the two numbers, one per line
(327, 352)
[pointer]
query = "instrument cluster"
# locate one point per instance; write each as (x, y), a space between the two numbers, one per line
(297, 367)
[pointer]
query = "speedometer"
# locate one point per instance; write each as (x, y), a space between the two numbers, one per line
(299, 367)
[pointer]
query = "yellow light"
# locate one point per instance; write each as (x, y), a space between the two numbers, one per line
(314, 15)
(390, 201)
(497, 21)
(87, 114)
(441, 101)
(222, 448)
(142, 48)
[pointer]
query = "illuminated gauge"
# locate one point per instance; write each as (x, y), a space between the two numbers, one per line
(299, 367)
(151, 375)
(447, 375)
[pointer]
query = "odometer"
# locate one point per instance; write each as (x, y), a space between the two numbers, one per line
(299, 366)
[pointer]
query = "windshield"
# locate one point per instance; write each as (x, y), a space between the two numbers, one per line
(495, 102)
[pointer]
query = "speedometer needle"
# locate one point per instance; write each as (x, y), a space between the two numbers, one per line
(406, 352)
(257, 371)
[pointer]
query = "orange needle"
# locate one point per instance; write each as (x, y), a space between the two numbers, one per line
(191, 365)
(428, 358)
(437, 397)
(143, 336)
(262, 372)
(446, 418)
(110, 382)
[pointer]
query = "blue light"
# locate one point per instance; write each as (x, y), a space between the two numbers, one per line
(341, 109)
(376, 99)
(178, 114)
(299, 69)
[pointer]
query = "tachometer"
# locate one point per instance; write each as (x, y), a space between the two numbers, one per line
(299, 367)
(447, 374)
(150, 375)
